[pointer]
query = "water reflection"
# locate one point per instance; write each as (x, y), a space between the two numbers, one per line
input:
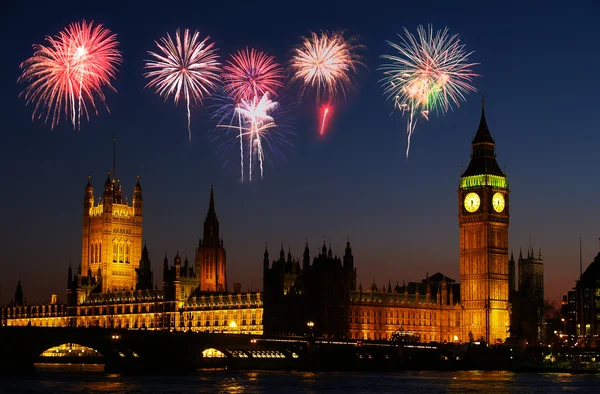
(67, 379)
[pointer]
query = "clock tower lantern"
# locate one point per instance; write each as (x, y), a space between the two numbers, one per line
(483, 218)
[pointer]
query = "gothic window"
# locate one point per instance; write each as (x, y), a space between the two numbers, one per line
(99, 252)
(93, 257)
(127, 252)
(120, 253)
(114, 252)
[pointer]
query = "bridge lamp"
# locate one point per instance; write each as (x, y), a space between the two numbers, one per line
(310, 324)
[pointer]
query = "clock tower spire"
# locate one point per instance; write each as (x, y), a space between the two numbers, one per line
(483, 218)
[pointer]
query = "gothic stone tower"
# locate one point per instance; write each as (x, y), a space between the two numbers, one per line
(211, 260)
(483, 216)
(112, 236)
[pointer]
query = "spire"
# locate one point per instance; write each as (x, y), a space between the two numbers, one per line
(211, 203)
(266, 251)
(512, 258)
(483, 155)
(281, 253)
(483, 133)
(520, 253)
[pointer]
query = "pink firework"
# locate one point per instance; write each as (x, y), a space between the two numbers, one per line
(67, 75)
(251, 73)
(185, 67)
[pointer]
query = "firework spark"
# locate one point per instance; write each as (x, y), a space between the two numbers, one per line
(67, 75)
(429, 73)
(185, 67)
(326, 63)
(251, 73)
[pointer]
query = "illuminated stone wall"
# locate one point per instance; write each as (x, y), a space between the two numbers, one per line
(377, 315)
(112, 239)
(221, 313)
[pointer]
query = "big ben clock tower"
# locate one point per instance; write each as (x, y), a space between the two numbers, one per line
(483, 216)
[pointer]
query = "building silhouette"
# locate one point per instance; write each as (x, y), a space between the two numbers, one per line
(527, 301)
(587, 305)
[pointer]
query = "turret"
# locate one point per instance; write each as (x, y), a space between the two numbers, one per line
(19, 295)
(265, 262)
(137, 198)
(348, 258)
(118, 192)
(144, 272)
(306, 259)
(88, 199)
(108, 197)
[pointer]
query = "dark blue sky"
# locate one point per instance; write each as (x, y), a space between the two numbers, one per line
(538, 67)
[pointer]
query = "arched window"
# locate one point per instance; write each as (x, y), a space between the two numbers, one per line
(114, 251)
(93, 257)
(126, 252)
(100, 252)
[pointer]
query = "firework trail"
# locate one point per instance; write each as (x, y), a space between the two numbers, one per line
(429, 73)
(250, 74)
(67, 75)
(325, 113)
(326, 63)
(185, 67)
(250, 78)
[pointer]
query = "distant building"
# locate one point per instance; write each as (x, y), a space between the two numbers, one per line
(527, 302)
(568, 316)
(587, 301)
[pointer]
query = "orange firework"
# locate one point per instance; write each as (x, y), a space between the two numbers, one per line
(326, 63)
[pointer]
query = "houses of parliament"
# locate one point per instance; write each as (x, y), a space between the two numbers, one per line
(114, 285)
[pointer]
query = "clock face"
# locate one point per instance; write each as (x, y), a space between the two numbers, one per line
(472, 202)
(498, 202)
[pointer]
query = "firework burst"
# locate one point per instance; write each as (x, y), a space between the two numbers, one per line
(258, 127)
(186, 66)
(430, 72)
(251, 73)
(68, 74)
(326, 63)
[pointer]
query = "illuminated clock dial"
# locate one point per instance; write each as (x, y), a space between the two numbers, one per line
(472, 202)
(498, 202)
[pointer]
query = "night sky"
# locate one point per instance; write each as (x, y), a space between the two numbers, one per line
(538, 65)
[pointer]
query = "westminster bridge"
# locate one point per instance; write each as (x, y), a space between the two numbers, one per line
(167, 352)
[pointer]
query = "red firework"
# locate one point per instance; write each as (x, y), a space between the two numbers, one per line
(69, 73)
(252, 73)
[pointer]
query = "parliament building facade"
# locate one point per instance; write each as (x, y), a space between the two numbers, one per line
(114, 285)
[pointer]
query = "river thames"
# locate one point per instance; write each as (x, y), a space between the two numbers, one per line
(64, 380)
